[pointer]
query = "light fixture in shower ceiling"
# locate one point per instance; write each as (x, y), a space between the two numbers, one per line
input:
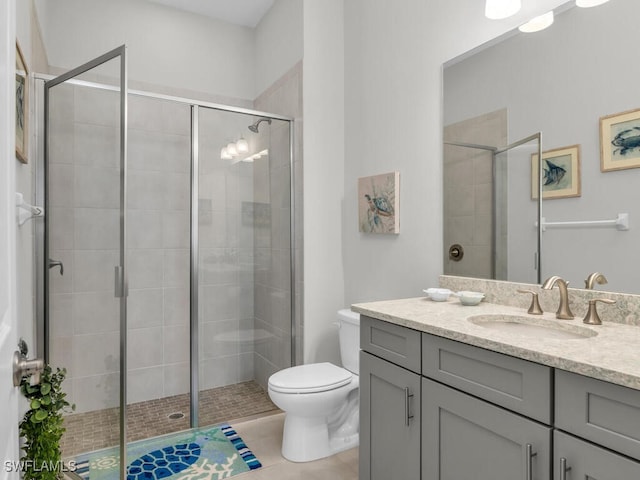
(242, 146)
(499, 9)
(233, 149)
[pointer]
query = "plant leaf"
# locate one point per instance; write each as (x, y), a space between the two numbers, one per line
(35, 404)
(40, 415)
(45, 388)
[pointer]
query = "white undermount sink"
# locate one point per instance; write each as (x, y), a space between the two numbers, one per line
(532, 327)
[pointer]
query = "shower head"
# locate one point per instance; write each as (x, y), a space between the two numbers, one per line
(254, 126)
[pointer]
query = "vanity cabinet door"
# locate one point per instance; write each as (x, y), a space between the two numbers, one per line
(575, 459)
(601, 412)
(389, 421)
(467, 438)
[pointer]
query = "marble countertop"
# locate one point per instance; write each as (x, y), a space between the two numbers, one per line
(613, 355)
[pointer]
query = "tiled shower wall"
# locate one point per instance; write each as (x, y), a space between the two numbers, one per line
(272, 303)
(84, 222)
(225, 254)
(244, 327)
(158, 239)
(84, 230)
(84, 187)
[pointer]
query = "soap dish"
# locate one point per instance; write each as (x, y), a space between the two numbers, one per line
(438, 294)
(470, 298)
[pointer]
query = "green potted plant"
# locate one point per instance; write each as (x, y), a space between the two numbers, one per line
(41, 427)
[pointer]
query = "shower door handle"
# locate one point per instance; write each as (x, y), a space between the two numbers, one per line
(56, 263)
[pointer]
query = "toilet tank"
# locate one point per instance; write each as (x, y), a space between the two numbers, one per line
(349, 334)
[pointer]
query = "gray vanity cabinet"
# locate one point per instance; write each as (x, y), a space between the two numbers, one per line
(575, 459)
(436, 409)
(467, 438)
(389, 420)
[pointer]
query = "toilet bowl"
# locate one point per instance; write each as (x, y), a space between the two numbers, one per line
(320, 400)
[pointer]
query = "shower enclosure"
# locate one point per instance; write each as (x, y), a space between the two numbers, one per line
(167, 278)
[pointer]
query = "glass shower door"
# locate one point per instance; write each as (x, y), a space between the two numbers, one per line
(84, 252)
(242, 311)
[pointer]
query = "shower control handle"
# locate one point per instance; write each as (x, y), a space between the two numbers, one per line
(56, 263)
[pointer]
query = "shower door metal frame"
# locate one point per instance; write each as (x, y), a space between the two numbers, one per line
(121, 276)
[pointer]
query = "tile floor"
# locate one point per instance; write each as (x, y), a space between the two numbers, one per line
(91, 431)
(263, 436)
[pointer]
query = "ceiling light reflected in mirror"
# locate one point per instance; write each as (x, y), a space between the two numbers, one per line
(537, 24)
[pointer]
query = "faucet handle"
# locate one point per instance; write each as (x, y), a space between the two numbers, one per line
(595, 277)
(534, 308)
(592, 317)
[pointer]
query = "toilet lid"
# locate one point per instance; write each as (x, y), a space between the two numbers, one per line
(314, 377)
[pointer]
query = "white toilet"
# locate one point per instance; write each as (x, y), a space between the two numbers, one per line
(320, 400)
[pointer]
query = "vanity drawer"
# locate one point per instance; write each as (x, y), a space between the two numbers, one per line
(599, 411)
(399, 345)
(519, 385)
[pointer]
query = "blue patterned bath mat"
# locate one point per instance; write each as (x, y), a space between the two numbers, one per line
(211, 453)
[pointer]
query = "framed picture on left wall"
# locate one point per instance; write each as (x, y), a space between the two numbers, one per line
(22, 107)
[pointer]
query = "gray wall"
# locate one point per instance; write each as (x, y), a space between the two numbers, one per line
(393, 121)
(560, 82)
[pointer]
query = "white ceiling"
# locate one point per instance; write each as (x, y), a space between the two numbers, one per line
(247, 13)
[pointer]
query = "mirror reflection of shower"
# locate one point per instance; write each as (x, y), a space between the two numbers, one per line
(239, 151)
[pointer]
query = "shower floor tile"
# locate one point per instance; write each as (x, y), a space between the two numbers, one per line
(90, 431)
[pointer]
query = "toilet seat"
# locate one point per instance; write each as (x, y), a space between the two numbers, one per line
(311, 378)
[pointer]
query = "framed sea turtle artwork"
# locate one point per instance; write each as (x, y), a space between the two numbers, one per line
(560, 173)
(620, 141)
(379, 203)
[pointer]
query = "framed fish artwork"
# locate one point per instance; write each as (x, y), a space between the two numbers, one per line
(560, 173)
(379, 203)
(620, 141)
(22, 111)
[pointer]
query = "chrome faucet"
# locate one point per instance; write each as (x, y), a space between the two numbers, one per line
(595, 277)
(564, 312)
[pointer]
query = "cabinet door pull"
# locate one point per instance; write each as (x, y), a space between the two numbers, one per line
(530, 454)
(407, 397)
(563, 468)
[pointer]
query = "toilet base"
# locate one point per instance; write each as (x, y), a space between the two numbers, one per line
(314, 443)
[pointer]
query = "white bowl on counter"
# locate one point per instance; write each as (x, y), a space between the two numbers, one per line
(470, 298)
(438, 294)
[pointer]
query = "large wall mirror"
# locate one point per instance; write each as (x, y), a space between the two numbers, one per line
(563, 82)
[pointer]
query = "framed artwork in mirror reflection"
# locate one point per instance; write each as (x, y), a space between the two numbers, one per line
(620, 141)
(378, 203)
(560, 173)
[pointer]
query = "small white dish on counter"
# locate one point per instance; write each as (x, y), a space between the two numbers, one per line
(470, 298)
(438, 294)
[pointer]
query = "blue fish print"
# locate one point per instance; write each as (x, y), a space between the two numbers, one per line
(553, 173)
